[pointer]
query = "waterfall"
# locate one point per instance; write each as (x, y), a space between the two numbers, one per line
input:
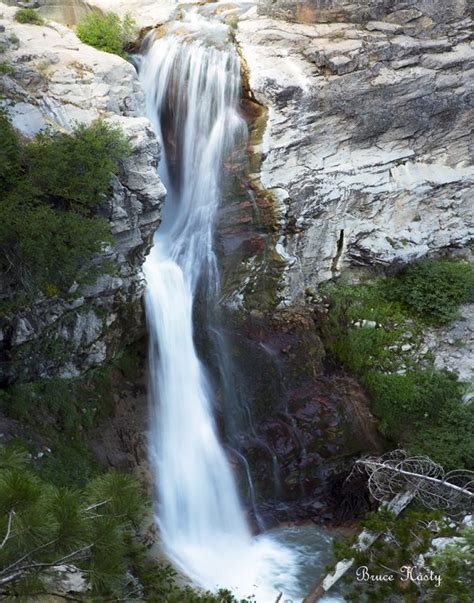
(191, 77)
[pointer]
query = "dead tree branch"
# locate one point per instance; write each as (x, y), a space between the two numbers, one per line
(397, 472)
(32, 567)
(9, 528)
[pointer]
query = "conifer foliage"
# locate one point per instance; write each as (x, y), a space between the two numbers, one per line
(43, 526)
(51, 191)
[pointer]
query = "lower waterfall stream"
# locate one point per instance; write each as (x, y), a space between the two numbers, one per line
(191, 76)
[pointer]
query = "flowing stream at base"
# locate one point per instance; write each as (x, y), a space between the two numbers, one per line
(191, 76)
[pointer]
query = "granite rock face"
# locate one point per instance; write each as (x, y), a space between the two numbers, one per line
(361, 11)
(55, 82)
(453, 346)
(367, 148)
(67, 12)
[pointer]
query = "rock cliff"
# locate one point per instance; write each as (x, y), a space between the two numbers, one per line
(360, 160)
(367, 148)
(55, 81)
(363, 10)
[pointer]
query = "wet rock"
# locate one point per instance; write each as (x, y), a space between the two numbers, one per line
(301, 423)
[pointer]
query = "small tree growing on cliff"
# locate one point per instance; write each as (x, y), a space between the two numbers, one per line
(51, 190)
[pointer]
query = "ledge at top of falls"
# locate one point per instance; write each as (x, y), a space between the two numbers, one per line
(57, 81)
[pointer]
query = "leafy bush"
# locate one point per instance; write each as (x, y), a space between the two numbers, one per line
(51, 189)
(73, 172)
(364, 330)
(419, 408)
(69, 463)
(106, 32)
(406, 403)
(66, 406)
(28, 15)
(451, 441)
(424, 412)
(46, 249)
(433, 289)
(6, 68)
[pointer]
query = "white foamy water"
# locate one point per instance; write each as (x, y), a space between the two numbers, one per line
(192, 81)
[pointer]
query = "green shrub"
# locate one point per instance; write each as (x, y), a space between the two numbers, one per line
(48, 250)
(66, 406)
(423, 411)
(10, 155)
(408, 402)
(69, 464)
(419, 408)
(454, 563)
(451, 441)
(364, 347)
(28, 15)
(433, 289)
(6, 68)
(106, 32)
(48, 523)
(73, 172)
(51, 190)
(96, 526)
(404, 539)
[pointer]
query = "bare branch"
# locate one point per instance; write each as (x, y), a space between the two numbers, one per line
(24, 569)
(365, 540)
(9, 528)
(99, 504)
(397, 472)
(396, 479)
(38, 548)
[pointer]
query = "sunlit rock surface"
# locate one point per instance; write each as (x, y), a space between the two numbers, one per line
(56, 82)
(368, 144)
(67, 12)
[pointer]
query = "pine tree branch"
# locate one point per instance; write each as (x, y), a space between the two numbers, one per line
(26, 569)
(38, 548)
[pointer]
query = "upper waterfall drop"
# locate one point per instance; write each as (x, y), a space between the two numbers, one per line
(191, 76)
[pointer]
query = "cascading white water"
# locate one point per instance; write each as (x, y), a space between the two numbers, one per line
(193, 87)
